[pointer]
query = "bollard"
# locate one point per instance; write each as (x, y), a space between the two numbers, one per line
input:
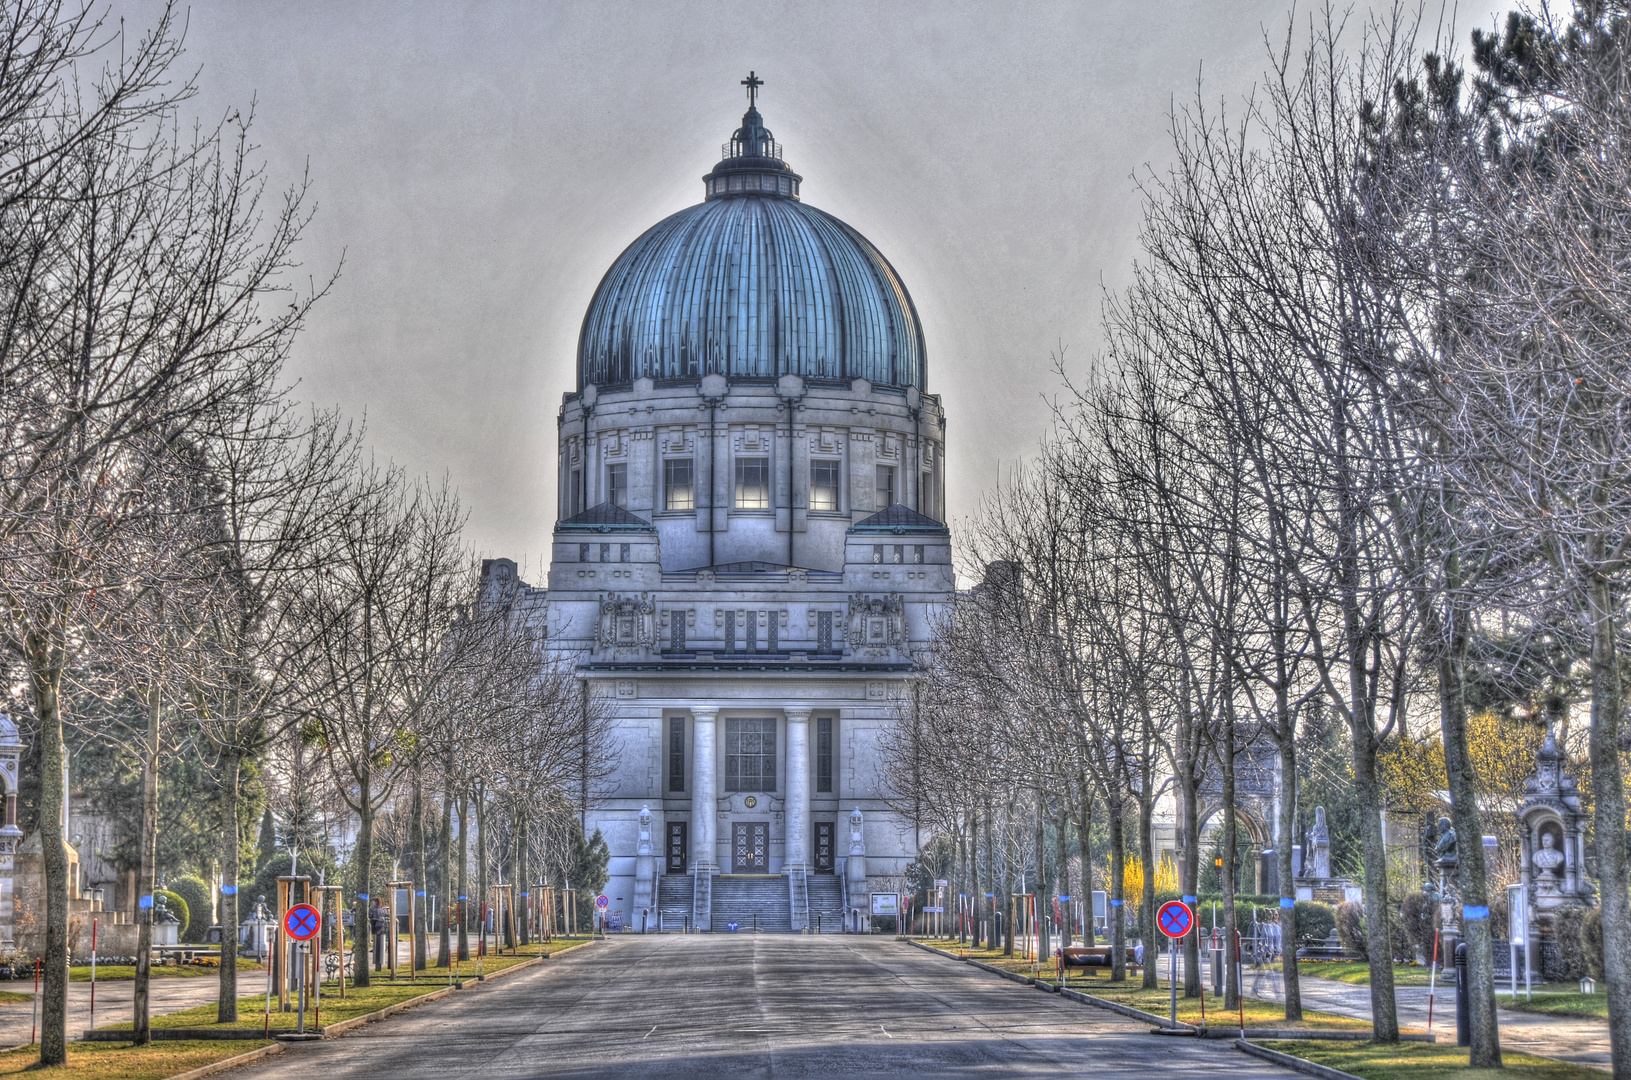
(1463, 1015)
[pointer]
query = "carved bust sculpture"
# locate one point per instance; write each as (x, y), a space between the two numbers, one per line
(1446, 843)
(1547, 858)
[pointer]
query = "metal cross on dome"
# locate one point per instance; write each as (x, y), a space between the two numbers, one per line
(752, 82)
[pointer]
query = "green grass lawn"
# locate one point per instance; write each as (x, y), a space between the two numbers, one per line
(1132, 993)
(11, 997)
(359, 1000)
(116, 1061)
(116, 972)
(1428, 1061)
(1357, 972)
(1555, 1000)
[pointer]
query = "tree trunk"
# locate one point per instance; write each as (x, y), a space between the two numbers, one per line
(142, 1032)
(231, 768)
(421, 887)
(1118, 898)
(363, 940)
(1226, 876)
(1006, 897)
(1470, 870)
(45, 677)
(522, 874)
(1084, 844)
(444, 844)
(1146, 852)
(483, 893)
(1061, 824)
(976, 893)
(464, 876)
(1384, 1010)
(1189, 863)
(1608, 819)
(1282, 853)
(1040, 891)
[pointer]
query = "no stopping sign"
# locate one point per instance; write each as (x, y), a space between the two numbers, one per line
(1175, 919)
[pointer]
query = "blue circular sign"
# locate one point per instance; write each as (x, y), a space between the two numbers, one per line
(1175, 918)
(301, 922)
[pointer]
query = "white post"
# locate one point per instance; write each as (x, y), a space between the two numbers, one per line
(704, 789)
(798, 789)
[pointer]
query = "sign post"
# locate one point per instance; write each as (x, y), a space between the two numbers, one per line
(1175, 920)
(301, 923)
(602, 902)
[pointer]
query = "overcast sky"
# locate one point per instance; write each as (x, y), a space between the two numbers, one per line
(479, 166)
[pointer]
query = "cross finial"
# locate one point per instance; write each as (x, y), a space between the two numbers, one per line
(752, 82)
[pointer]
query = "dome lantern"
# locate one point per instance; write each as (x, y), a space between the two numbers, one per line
(751, 163)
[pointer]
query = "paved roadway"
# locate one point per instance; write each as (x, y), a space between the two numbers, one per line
(756, 1005)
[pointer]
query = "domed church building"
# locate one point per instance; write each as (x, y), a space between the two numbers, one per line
(750, 548)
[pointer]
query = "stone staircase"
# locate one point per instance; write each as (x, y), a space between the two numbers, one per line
(751, 900)
(674, 895)
(826, 901)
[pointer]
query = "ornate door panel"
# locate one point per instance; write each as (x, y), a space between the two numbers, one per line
(823, 847)
(750, 847)
(677, 846)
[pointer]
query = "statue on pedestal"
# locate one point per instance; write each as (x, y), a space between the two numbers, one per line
(1319, 847)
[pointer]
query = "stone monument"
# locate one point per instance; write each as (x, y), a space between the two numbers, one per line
(1552, 834)
(1312, 865)
(645, 874)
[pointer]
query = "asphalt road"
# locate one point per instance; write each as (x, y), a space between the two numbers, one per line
(767, 1005)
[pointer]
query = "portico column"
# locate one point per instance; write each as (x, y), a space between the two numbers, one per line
(798, 789)
(704, 788)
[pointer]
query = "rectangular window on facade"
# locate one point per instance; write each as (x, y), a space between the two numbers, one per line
(676, 753)
(886, 487)
(605, 553)
(823, 631)
(753, 632)
(623, 553)
(753, 483)
(676, 631)
(575, 499)
(583, 552)
(899, 553)
(617, 485)
(823, 485)
(771, 637)
(730, 631)
(877, 553)
(750, 755)
(678, 491)
(917, 553)
(824, 753)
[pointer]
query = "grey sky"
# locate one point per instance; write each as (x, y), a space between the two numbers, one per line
(481, 165)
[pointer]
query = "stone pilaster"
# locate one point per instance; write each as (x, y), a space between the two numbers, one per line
(798, 789)
(704, 791)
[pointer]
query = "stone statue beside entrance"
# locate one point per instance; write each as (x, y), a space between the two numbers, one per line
(1552, 832)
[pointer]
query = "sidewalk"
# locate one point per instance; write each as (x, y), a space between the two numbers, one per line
(1582, 1042)
(114, 1001)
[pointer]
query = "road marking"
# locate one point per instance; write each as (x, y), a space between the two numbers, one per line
(647, 1035)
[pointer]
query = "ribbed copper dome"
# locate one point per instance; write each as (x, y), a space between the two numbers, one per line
(751, 283)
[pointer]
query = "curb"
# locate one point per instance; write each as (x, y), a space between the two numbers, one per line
(229, 1063)
(1128, 1011)
(1312, 1035)
(1074, 995)
(1302, 1065)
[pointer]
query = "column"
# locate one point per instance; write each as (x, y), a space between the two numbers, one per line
(704, 788)
(797, 841)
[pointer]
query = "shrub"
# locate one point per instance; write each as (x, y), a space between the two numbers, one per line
(1350, 921)
(1568, 933)
(1419, 916)
(197, 895)
(1591, 942)
(1314, 921)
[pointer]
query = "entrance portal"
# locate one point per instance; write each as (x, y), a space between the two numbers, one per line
(750, 847)
(678, 847)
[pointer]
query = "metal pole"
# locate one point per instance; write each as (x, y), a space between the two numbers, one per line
(300, 984)
(1172, 949)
